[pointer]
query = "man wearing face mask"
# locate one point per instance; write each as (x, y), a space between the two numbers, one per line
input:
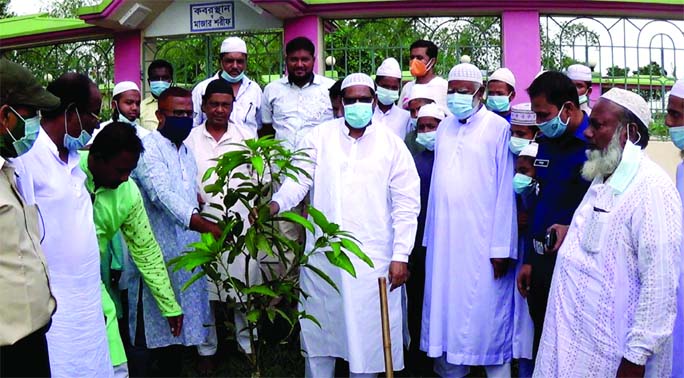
(159, 78)
(125, 108)
(26, 302)
(423, 58)
(500, 92)
(167, 177)
(523, 127)
(561, 186)
(612, 304)
(248, 95)
(420, 95)
(466, 321)
(51, 178)
(581, 78)
(388, 80)
(349, 156)
(675, 123)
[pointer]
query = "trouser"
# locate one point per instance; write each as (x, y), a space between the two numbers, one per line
(27, 357)
(542, 272)
(324, 367)
(525, 368)
(210, 345)
(447, 370)
(417, 361)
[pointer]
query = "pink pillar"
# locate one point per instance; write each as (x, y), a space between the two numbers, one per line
(521, 49)
(127, 56)
(310, 27)
(595, 93)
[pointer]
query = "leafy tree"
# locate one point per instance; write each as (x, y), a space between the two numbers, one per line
(553, 55)
(616, 71)
(4, 9)
(652, 69)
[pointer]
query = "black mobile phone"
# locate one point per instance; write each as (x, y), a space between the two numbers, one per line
(550, 239)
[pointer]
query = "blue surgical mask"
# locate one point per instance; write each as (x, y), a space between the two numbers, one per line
(628, 167)
(31, 129)
(677, 135)
(176, 129)
(522, 183)
(387, 96)
(498, 104)
(358, 115)
(71, 143)
(517, 144)
(554, 127)
(460, 105)
(427, 139)
(232, 79)
(157, 87)
(123, 118)
(583, 99)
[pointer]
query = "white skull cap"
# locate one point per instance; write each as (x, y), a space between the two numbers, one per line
(431, 110)
(422, 91)
(630, 101)
(678, 89)
(522, 115)
(233, 44)
(124, 86)
(358, 79)
(530, 150)
(503, 74)
(465, 72)
(389, 67)
(579, 72)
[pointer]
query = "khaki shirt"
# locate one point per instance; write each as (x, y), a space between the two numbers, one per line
(26, 303)
(148, 108)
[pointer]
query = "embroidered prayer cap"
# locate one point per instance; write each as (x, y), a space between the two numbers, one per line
(630, 101)
(579, 72)
(503, 74)
(678, 89)
(530, 150)
(233, 44)
(358, 79)
(522, 115)
(431, 110)
(389, 67)
(124, 86)
(466, 72)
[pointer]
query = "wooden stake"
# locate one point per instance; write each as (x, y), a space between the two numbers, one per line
(384, 317)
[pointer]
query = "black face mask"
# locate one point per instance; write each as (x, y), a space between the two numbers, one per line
(176, 129)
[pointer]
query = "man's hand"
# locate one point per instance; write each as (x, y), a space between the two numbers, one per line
(175, 324)
(524, 279)
(500, 267)
(561, 232)
(398, 274)
(202, 225)
(273, 209)
(628, 369)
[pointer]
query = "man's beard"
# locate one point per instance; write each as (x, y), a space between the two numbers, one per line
(602, 163)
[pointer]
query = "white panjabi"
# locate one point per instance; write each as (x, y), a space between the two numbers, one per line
(630, 101)
(389, 67)
(530, 150)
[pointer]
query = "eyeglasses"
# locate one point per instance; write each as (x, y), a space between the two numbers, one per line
(349, 101)
(97, 117)
(179, 113)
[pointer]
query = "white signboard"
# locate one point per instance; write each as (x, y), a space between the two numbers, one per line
(212, 16)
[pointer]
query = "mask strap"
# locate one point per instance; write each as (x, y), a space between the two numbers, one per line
(430, 64)
(630, 139)
(567, 121)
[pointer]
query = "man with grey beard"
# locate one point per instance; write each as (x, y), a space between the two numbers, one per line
(612, 305)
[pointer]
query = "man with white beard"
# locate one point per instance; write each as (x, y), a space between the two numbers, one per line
(612, 304)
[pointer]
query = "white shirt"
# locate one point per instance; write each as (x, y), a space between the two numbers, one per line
(246, 107)
(439, 86)
(294, 111)
(678, 334)
(370, 187)
(77, 341)
(396, 119)
(613, 292)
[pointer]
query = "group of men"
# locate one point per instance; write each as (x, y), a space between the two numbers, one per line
(538, 231)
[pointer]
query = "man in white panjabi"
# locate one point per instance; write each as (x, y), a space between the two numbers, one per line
(581, 76)
(612, 303)
(470, 236)
(364, 179)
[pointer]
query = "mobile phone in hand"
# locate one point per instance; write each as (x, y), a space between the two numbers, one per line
(550, 240)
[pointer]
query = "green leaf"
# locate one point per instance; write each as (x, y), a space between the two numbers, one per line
(324, 276)
(336, 248)
(258, 164)
(286, 317)
(250, 242)
(208, 173)
(271, 314)
(259, 289)
(213, 188)
(352, 247)
(342, 261)
(310, 317)
(263, 245)
(253, 316)
(296, 218)
(192, 280)
(319, 219)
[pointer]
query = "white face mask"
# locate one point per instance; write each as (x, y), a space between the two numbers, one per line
(628, 167)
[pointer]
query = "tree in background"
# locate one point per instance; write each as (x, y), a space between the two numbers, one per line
(4, 9)
(616, 71)
(554, 46)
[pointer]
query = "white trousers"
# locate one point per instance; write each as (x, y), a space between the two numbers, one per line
(121, 370)
(324, 367)
(210, 344)
(447, 370)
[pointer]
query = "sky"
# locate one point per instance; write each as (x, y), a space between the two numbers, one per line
(22, 7)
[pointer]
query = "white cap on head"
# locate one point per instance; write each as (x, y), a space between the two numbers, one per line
(422, 91)
(124, 86)
(358, 79)
(233, 44)
(630, 101)
(678, 89)
(503, 74)
(431, 110)
(389, 67)
(522, 115)
(466, 72)
(579, 72)
(530, 150)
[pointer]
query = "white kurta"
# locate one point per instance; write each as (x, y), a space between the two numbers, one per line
(678, 338)
(396, 119)
(471, 217)
(77, 341)
(613, 293)
(370, 187)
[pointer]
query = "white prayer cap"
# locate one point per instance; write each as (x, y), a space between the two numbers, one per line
(389, 67)
(422, 91)
(522, 115)
(630, 101)
(465, 72)
(579, 72)
(233, 44)
(678, 89)
(530, 150)
(124, 86)
(358, 79)
(503, 74)
(431, 110)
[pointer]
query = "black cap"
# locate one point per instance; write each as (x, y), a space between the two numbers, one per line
(18, 86)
